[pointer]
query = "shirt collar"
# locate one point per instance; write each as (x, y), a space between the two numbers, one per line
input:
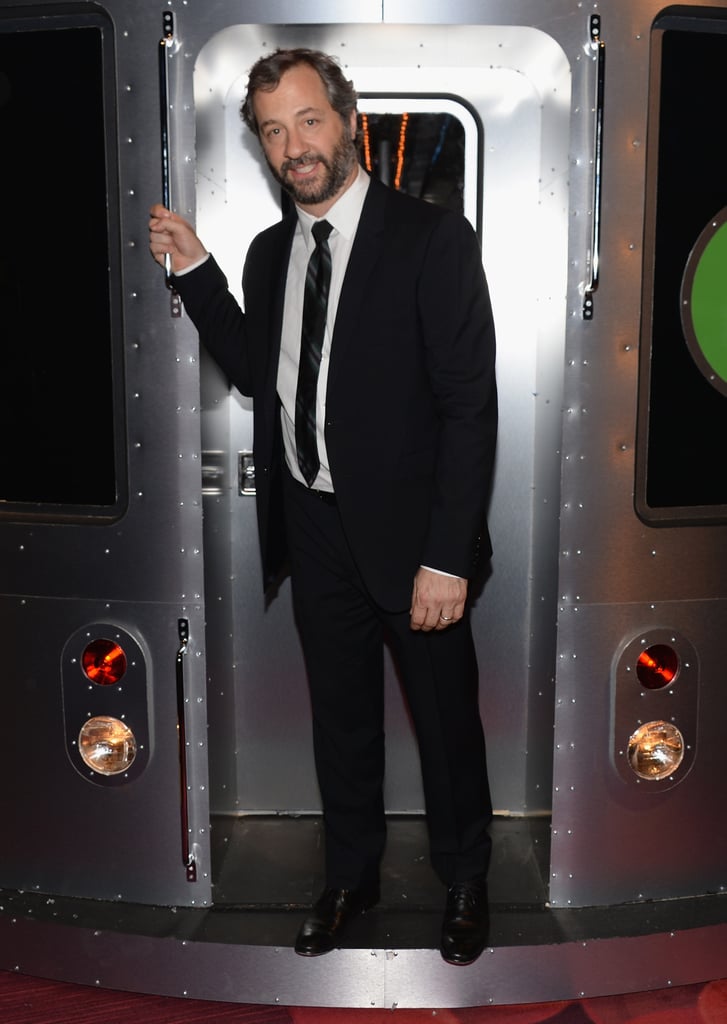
(345, 213)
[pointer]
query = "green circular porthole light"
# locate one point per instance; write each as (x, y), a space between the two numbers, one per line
(704, 302)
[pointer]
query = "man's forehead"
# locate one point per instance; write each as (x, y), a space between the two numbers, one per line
(299, 89)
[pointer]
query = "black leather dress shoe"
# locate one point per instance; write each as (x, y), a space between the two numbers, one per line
(333, 910)
(466, 925)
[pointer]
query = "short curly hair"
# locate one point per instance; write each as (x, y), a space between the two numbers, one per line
(266, 73)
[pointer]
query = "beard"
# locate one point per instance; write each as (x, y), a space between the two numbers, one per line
(337, 169)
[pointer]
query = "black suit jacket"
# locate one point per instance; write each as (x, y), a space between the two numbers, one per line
(411, 411)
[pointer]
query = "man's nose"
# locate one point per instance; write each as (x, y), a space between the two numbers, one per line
(295, 144)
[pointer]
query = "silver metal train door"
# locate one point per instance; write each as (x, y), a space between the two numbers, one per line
(508, 89)
(643, 552)
(102, 606)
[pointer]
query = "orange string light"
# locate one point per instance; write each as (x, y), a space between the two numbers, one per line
(366, 142)
(400, 150)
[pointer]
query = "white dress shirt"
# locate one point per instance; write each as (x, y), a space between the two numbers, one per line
(343, 216)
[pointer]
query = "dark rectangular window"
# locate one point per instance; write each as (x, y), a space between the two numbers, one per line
(60, 407)
(681, 468)
(421, 154)
(428, 145)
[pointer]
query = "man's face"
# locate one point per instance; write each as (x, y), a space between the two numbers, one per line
(309, 150)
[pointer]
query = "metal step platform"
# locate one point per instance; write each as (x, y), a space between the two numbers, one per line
(267, 871)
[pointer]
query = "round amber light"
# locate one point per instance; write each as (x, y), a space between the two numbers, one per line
(104, 662)
(656, 750)
(107, 745)
(657, 666)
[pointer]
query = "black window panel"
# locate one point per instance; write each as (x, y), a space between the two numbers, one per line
(423, 155)
(681, 469)
(59, 442)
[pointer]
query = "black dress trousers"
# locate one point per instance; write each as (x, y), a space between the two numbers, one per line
(343, 633)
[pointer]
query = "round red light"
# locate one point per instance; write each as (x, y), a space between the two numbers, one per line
(657, 666)
(104, 662)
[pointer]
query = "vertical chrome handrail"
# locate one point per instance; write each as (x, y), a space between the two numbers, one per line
(164, 43)
(598, 46)
(187, 855)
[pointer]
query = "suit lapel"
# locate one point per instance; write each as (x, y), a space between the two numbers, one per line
(365, 253)
(280, 256)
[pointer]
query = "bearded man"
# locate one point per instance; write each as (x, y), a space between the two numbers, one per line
(367, 337)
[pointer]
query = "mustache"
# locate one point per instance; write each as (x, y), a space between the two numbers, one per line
(301, 161)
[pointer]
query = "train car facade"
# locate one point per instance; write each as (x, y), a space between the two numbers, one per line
(162, 824)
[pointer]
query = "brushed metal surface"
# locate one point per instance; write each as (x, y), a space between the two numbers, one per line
(380, 977)
(576, 578)
(144, 571)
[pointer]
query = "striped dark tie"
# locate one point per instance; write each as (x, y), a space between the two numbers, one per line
(315, 305)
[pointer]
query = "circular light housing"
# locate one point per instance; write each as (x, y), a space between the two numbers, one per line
(107, 745)
(657, 666)
(104, 662)
(656, 750)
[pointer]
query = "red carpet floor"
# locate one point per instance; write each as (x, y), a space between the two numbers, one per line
(25, 1000)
